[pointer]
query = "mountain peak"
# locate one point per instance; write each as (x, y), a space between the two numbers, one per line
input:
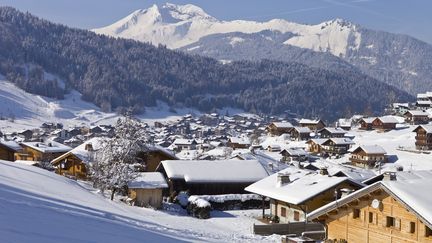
(186, 12)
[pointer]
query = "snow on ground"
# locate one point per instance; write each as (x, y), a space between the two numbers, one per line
(40, 206)
(21, 110)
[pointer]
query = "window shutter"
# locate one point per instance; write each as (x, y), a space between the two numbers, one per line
(397, 224)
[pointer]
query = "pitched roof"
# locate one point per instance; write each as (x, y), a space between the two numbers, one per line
(47, 146)
(80, 152)
(12, 145)
(427, 128)
(148, 180)
(388, 119)
(302, 129)
(333, 130)
(417, 113)
(309, 121)
(283, 124)
(303, 185)
(342, 141)
(401, 189)
(370, 149)
(216, 171)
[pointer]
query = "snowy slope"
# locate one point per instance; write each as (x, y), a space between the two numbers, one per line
(179, 25)
(40, 206)
(22, 110)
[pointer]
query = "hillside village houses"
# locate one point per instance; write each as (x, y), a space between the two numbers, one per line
(291, 168)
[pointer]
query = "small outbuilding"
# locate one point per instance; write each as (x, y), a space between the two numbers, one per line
(147, 189)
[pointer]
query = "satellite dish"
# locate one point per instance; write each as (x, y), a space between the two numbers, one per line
(376, 203)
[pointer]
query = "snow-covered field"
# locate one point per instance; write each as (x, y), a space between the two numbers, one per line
(40, 206)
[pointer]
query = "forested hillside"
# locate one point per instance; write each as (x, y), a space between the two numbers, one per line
(118, 73)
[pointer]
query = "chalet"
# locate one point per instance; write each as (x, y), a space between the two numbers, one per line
(423, 137)
(41, 151)
(8, 150)
(423, 104)
(274, 148)
(75, 162)
(313, 125)
(337, 145)
(400, 108)
(293, 155)
(182, 143)
(366, 123)
(331, 132)
(300, 133)
(379, 123)
(392, 210)
(279, 128)
(315, 145)
(345, 124)
(147, 189)
(211, 177)
(239, 142)
(367, 156)
(416, 117)
(295, 192)
(153, 157)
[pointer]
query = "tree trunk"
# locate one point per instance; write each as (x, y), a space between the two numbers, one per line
(112, 193)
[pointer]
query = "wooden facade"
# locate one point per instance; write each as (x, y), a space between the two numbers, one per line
(32, 154)
(288, 212)
(423, 138)
(314, 126)
(275, 130)
(363, 159)
(143, 197)
(71, 166)
(416, 118)
(358, 221)
(7, 153)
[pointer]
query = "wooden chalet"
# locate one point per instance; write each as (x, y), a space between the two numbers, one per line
(147, 190)
(378, 123)
(344, 124)
(315, 145)
(313, 125)
(416, 117)
(239, 142)
(181, 143)
(41, 151)
(423, 137)
(300, 133)
(8, 150)
(335, 146)
(294, 155)
(211, 177)
(392, 210)
(295, 192)
(279, 128)
(367, 156)
(332, 132)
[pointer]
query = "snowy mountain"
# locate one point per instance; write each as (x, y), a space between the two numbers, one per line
(399, 60)
(179, 25)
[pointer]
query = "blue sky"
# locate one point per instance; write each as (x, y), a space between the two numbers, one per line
(412, 17)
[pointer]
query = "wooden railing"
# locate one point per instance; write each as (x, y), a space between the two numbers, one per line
(294, 229)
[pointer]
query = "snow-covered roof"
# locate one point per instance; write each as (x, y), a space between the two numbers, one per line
(422, 95)
(148, 180)
(388, 119)
(309, 121)
(11, 145)
(303, 185)
(369, 119)
(240, 140)
(157, 148)
(427, 128)
(80, 151)
(406, 105)
(283, 124)
(302, 129)
(295, 152)
(401, 189)
(424, 102)
(342, 141)
(216, 171)
(417, 113)
(370, 149)
(47, 147)
(333, 130)
(344, 122)
(182, 141)
(318, 140)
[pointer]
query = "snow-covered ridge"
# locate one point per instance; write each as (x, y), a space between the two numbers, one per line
(179, 25)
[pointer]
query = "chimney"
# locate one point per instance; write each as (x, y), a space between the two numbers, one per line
(89, 147)
(346, 191)
(282, 179)
(324, 171)
(389, 176)
(49, 144)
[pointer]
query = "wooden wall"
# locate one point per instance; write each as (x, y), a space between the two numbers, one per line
(374, 229)
(146, 197)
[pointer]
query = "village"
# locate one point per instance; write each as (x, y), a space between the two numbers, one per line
(359, 179)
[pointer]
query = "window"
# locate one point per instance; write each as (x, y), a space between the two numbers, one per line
(371, 217)
(390, 221)
(283, 212)
(356, 213)
(412, 227)
(428, 232)
(296, 216)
